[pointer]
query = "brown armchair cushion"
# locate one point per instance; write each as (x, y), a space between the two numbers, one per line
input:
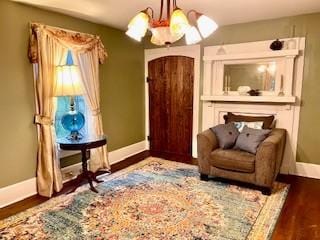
(234, 160)
(267, 120)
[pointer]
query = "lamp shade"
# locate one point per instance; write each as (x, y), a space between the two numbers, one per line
(178, 22)
(138, 26)
(206, 26)
(192, 35)
(68, 81)
(135, 34)
(141, 20)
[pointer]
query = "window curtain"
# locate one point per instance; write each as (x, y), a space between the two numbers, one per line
(48, 48)
(89, 68)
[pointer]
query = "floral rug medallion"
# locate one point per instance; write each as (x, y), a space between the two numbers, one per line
(154, 199)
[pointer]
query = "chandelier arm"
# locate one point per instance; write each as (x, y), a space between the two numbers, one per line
(168, 9)
(161, 10)
(151, 10)
(196, 14)
(174, 4)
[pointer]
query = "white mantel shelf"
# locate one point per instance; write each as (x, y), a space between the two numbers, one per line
(257, 99)
(254, 55)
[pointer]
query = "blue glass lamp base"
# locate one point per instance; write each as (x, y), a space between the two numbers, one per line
(73, 121)
(75, 136)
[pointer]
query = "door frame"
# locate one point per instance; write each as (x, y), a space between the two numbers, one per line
(194, 52)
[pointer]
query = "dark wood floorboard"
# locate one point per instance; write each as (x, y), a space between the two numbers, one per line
(299, 219)
(300, 216)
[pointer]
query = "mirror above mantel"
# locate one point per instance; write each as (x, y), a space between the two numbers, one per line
(247, 76)
(229, 76)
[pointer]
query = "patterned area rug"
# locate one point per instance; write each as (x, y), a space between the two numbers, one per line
(154, 199)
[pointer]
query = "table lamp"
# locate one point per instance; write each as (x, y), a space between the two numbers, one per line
(68, 83)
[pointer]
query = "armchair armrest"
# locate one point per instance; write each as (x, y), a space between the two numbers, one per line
(269, 157)
(207, 142)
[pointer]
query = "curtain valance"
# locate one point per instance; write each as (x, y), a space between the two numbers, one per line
(79, 42)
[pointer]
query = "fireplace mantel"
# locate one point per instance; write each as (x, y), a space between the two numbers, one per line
(253, 55)
(283, 103)
(251, 99)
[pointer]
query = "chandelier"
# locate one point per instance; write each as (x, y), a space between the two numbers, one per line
(166, 30)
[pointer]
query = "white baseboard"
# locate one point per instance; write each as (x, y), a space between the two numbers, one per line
(128, 151)
(19, 191)
(307, 170)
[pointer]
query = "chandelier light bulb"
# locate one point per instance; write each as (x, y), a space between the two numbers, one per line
(206, 26)
(262, 68)
(272, 68)
(192, 35)
(178, 22)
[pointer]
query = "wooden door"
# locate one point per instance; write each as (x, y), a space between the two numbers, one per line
(171, 104)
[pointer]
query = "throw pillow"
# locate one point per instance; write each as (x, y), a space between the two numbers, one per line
(267, 120)
(254, 125)
(226, 134)
(250, 139)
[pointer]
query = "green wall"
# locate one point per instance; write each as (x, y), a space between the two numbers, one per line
(122, 83)
(122, 88)
(306, 26)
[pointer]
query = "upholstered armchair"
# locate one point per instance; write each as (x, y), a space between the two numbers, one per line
(260, 169)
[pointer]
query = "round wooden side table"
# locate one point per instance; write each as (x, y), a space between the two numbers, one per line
(84, 145)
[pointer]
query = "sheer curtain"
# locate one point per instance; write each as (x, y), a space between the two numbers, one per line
(48, 48)
(89, 67)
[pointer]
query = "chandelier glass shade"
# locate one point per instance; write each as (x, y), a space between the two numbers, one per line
(194, 26)
(179, 22)
(162, 36)
(192, 35)
(206, 26)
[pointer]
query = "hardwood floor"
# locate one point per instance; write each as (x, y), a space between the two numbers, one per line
(299, 219)
(300, 216)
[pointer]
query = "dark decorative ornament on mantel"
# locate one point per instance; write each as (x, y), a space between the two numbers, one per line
(276, 45)
(255, 92)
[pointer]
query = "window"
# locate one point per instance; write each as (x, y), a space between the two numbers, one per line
(63, 106)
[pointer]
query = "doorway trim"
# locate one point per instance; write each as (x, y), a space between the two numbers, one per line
(186, 51)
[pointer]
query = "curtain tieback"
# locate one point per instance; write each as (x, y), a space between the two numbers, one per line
(96, 112)
(42, 120)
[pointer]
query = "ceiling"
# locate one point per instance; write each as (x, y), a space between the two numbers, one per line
(117, 13)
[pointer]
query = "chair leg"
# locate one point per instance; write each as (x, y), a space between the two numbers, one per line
(266, 191)
(204, 177)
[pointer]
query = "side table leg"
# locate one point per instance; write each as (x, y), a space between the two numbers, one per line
(86, 173)
(91, 185)
(77, 181)
(95, 179)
